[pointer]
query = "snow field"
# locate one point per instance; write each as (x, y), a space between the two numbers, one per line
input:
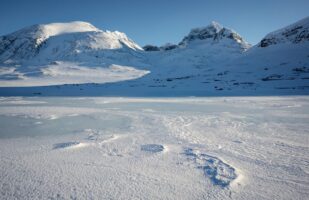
(163, 148)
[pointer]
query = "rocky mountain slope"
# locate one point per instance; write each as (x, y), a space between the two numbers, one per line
(294, 34)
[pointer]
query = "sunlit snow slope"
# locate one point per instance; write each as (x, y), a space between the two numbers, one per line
(67, 53)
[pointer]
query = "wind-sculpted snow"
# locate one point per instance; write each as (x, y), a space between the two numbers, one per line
(219, 172)
(154, 148)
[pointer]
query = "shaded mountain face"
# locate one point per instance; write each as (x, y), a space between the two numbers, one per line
(295, 33)
(60, 39)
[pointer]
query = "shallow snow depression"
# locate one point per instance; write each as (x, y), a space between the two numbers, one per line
(161, 148)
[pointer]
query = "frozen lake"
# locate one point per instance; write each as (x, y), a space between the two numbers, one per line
(154, 148)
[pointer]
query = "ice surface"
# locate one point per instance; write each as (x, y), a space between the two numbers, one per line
(154, 148)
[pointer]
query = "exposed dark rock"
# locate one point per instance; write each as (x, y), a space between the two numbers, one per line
(151, 48)
(178, 78)
(168, 47)
(301, 69)
(273, 77)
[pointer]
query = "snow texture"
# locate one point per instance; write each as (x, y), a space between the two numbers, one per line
(154, 148)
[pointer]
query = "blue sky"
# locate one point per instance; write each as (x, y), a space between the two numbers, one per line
(157, 21)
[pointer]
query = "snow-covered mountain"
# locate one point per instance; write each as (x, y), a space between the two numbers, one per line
(67, 53)
(211, 60)
(213, 34)
(60, 41)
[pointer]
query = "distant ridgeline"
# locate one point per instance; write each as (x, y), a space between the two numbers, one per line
(77, 58)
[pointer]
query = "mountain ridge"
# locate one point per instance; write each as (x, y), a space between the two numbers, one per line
(209, 60)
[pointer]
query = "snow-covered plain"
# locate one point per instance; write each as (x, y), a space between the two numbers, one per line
(154, 148)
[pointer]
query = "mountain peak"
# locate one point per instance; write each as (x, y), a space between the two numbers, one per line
(44, 31)
(213, 33)
(215, 25)
(61, 39)
(205, 32)
(54, 29)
